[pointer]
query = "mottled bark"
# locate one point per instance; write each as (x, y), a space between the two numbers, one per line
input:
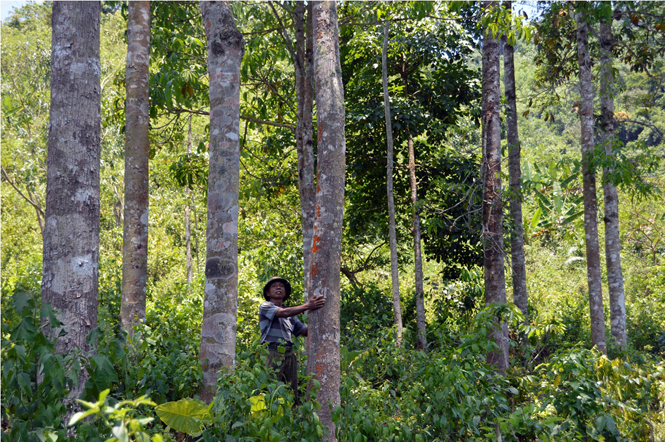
(492, 224)
(324, 324)
(418, 260)
(71, 232)
(137, 107)
(304, 72)
(514, 157)
(612, 242)
(589, 186)
(394, 271)
(218, 330)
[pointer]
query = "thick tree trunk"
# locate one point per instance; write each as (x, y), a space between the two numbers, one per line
(324, 324)
(589, 185)
(304, 70)
(514, 157)
(612, 243)
(420, 295)
(71, 232)
(135, 231)
(218, 330)
(492, 226)
(394, 272)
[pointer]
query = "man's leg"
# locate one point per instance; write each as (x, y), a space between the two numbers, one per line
(291, 373)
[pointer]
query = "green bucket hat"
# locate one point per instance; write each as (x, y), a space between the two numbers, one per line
(287, 286)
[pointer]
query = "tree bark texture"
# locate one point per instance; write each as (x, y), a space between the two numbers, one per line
(589, 186)
(520, 296)
(492, 227)
(225, 49)
(612, 243)
(304, 72)
(71, 232)
(135, 226)
(418, 260)
(324, 323)
(394, 271)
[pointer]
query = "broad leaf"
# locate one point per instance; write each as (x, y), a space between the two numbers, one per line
(185, 415)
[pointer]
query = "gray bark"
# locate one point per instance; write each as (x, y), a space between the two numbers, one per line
(589, 186)
(418, 260)
(612, 242)
(304, 70)
(218, 330)
(520, 296)
(394, 271)
(135, 230)
(324, 323)
(71, 231)
(492, 223)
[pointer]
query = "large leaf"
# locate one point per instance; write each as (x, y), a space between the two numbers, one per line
(185, 415)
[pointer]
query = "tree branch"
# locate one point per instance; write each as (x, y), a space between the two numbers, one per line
(38, 209)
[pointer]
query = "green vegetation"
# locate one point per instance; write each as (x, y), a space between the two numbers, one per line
(557, 389)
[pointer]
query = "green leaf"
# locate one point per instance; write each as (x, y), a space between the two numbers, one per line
(104, 373)
(536, 218)
(21, 301)
(25, 330)
(185, 415)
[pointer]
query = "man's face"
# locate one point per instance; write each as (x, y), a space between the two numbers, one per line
(277, 290)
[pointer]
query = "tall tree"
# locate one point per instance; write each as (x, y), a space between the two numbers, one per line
(324, 324)
(612, 239)
(71, 232)
(135, 232)
(394, 271)
(225, 49)
(589, 182)
(492, 207)
(515, 171)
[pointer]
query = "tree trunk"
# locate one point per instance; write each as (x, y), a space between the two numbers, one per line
(394, 272)
(492, 227)
(324, 324)
(514, 157)
(304, 70)
(135, 237)
(589, 185)
(218, 330)
(612, 243)
(71, 232)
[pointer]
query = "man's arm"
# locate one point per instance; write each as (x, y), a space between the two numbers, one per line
(314, 302)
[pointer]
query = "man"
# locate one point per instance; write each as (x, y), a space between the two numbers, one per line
(279, 325)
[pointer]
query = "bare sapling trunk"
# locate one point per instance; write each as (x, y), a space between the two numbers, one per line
(324, 323)
(304, 72)
(520, 296)
(492, 222)
(394, 271)
(612, 242)
(218, 330)
(135, 225)
(188, 220)
(589, 186)
(71, 231)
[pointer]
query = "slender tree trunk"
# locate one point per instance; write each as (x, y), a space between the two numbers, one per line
(304, 70)
(612, 243)
(188, 221)
(135, 237)
(394, 271)
(420, 295)
(71, 232)
(589, 184)
(218, 330)
(492, 227)
(514, 157)
(324, 324)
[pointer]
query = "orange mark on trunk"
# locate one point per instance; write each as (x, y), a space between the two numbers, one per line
(315, 243)
(318, 133)
(314, 270)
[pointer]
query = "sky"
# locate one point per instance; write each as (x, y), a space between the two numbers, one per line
(6, 7)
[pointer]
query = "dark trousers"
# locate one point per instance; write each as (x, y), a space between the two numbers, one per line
(286, 366)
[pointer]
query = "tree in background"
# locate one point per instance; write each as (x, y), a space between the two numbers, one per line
(492, 222)
(520, 295)
(218, 329)
(324, 324)
(137, 107)
(71, 232)
(589, 182)
(394, 270)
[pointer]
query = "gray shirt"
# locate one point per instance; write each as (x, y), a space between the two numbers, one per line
(273, 329)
